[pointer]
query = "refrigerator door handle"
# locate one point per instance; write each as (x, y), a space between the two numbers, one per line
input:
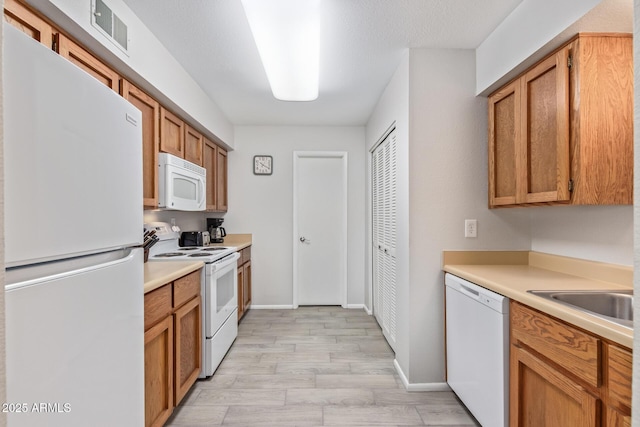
(66, 268)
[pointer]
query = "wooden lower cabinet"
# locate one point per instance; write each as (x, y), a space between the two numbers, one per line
(173, 344)
(188, 345)
(561, 375)
(158, 373)
(545, 397)
(244, 282)
(246, 286)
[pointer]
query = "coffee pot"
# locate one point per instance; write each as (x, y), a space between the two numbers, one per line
(216, 232)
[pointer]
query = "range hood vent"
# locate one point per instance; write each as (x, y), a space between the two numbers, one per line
(109, 24)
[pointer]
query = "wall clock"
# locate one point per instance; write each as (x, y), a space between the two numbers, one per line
(262, 165)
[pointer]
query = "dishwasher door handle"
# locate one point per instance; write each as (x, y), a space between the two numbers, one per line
(469, 292)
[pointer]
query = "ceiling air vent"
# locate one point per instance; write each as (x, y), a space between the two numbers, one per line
(109, 24)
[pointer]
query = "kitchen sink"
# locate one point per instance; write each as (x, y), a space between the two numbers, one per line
(615, 305)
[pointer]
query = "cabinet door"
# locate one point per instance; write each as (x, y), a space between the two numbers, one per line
(210, 155)
(221, 180)
(246, 286)
(504, 137)
(89, 63)
(158, 373)
(171, 133)
(544, 174)
(618, 381)
(614, 418)
(188, 347)
(21, 17)
(542, 396)
(602, 132)
(192, 145)
(150, 109)
(240, 290)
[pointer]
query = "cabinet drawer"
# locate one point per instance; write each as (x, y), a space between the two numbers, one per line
(185, 288)
(157, 305)
(564, 345)
(619, 374)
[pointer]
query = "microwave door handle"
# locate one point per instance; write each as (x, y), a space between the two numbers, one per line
(202, 187)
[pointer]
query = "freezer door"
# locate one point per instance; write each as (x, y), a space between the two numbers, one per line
(72, 159)
(75, 346)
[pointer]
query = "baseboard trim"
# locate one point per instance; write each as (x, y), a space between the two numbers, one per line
(419, 386)
(368, 310)
(355, 307)
(271, 307)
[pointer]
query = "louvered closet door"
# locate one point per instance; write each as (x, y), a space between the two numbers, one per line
(384, 223)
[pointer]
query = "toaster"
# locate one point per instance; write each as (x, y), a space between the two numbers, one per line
(194, 238)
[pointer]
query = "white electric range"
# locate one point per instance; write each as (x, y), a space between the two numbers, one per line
(219, 285)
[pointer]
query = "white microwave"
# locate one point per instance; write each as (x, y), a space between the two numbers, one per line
(181, 184)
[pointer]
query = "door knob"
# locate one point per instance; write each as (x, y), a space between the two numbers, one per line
(304, 240)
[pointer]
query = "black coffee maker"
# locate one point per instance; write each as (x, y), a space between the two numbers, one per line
(216, 232)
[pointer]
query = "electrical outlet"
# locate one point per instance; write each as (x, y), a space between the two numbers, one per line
(470, 228)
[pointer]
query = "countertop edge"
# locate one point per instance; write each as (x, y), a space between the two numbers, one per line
(159, 273)
(608, 330)
(239, 241)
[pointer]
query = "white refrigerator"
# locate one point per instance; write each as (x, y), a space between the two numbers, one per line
(73, 214)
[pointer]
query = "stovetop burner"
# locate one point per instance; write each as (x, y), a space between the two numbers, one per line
(215, 249)
(169, 255)
(199, 254)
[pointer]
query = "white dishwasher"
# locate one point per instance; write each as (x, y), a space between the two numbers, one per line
(477, 334)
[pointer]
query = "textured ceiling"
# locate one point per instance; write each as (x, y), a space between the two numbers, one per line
(361, 45)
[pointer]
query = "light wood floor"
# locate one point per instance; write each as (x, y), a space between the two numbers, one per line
(314, 366)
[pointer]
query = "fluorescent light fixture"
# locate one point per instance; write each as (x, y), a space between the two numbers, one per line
(287, 33)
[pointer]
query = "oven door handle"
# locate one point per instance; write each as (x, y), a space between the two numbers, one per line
(229, 263)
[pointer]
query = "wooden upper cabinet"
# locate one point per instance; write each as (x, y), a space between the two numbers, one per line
(210, 156)
(89, 63)
(221, 180)
(545, 132)
(215, 162)
(150, 109)
(171, 133)
(504, 131)
(602, 121)
(23, 18)
(529, 136)
(193, 143)
(562, 131)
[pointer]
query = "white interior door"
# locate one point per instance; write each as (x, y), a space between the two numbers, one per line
(320, 228)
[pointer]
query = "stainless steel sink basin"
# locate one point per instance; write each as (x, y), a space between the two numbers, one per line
(616, 306)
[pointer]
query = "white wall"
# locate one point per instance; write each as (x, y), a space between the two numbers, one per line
(447, 184)
(599, 233)
(532, 25)
(148, 63)
(263, 205)
(187, 221)
(442, 180)
(393, 107)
